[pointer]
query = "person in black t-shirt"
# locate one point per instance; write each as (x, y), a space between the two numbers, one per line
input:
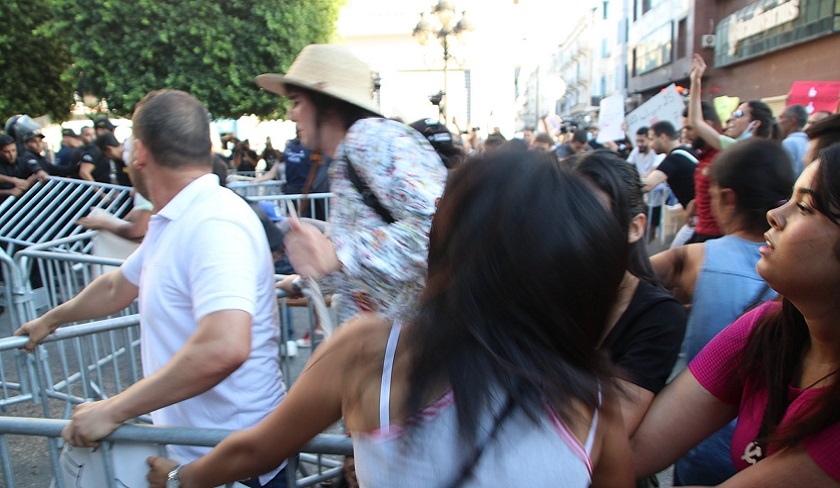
(677, 169)
(647, 324)
(95, 160)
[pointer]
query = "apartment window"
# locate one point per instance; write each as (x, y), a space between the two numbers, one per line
(605, 9)
(654, 50)
(623, 27)
(649, 4)
(682, 39)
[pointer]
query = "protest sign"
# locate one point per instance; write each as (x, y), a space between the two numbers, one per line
(665, 105)
(724, 106)
(611, 118)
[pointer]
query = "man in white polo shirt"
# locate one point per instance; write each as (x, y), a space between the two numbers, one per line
(208, 314)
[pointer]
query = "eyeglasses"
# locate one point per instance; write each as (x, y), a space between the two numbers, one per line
(737, 114)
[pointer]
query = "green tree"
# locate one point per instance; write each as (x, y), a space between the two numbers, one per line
(210, 48)
(33, 64)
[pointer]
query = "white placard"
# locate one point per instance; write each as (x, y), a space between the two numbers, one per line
(665, 105)
(85, 467)
(610, 119)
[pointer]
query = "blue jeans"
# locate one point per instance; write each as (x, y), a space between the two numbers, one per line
(709, 463)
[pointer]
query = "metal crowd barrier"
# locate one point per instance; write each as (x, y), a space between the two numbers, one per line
(48, 211)
(46, 215)
(329, 444)
(247, 188)
(318, 201)
(52, 263)
(95, 361)
(62, 268)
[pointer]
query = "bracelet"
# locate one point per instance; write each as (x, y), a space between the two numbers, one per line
(172, 480)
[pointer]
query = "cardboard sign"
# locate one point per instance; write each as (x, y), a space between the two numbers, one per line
(665, 105)
(724, 106)
(611, 118)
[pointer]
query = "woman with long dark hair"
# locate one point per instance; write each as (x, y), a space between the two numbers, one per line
(495, 380)
(777, 366)
(646, 324)
(718, 277)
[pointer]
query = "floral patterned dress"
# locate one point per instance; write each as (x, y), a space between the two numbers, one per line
(383, 266)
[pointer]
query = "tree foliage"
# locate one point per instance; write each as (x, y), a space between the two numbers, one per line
(212, 49)
(33, 64)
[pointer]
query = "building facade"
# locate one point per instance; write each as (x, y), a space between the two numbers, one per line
(754, 49)
(762, 48)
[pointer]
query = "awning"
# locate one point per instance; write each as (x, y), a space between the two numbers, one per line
(815, 95)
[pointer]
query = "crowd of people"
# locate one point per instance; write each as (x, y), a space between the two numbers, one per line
(503, 323)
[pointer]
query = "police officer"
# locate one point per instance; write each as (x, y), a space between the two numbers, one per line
(33, 147)
(15, 176)
(69, 141)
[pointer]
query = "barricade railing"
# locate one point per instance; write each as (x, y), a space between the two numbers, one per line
(12, 291)
(244, 175)
(247, 188)
(318, 201)
(48, 211)
(58, 271)
(322, 444)
(94, 361)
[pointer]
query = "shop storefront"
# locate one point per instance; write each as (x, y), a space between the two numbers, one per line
(766, 46)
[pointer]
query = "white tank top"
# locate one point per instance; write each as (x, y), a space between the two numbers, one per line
(522, 454)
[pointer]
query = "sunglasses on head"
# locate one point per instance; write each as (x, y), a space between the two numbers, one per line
(737, 114)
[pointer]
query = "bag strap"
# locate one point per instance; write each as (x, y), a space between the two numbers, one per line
(368, 196)
(316, 160)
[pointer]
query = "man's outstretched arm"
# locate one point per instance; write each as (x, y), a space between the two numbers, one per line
(105, 295)
(219, 346)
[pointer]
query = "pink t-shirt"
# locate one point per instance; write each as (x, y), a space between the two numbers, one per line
(716, 368)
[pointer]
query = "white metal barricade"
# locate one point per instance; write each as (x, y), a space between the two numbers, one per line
(49, 210)
(247, 188)
(329, 444)
(98, 360)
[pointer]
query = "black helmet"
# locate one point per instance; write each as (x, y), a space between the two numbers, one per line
(18, 125)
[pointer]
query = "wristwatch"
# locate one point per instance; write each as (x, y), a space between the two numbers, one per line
(172, 480)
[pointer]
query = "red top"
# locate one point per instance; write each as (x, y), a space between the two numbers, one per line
(702, 201)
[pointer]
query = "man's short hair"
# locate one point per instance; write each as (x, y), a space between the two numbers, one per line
(544, 138)
(579, 136)
(798, 113)
(643, 131)
(175, 128)
(6, 139)
(665, 127)
(106, 140)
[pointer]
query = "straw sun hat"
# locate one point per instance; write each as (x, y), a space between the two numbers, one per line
(329, 69)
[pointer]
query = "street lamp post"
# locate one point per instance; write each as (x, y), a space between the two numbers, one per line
(444, 10)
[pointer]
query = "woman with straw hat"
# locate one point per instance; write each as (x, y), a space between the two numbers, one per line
(374, 250)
